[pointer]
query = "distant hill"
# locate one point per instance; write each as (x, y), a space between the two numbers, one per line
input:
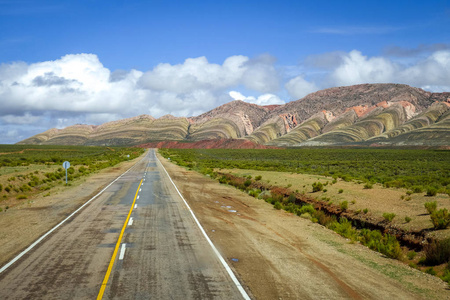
(366, 114)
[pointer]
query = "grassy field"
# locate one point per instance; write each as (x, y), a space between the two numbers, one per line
(26, 170)
(418, 170)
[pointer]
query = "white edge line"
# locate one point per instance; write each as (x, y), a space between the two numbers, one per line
(60, 223)
(130, 222)
(122, 251)
(222, 260)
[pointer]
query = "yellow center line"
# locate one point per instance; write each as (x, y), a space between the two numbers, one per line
(116, 249)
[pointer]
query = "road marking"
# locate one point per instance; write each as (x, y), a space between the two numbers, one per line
(221, 259)
(130, 222)
(137, 197)
(135, 206)
(122, 251)
(140, 190)
(116, 249)
(60, 223)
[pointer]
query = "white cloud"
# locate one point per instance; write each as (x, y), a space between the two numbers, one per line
(357, 68)
(265, 99)
(77, 88)
(431, 73)
(298, 87)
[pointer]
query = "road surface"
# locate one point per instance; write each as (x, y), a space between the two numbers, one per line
(142, 229)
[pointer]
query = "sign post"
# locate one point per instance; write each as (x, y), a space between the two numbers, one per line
(66, 165)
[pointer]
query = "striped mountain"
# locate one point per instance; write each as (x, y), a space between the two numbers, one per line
(366, 114)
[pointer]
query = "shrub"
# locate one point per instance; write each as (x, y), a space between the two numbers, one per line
(258, 178)
(341, 191)
(431, 271)
(308, 208)
(417, 189)
(431, 191)
(407, 219)
(20, 197)
(247, 183)
(389, 216)
(437, 252)
(292, 198)
(1, 187)
(8, 189)
(440, 219)
(344, 228)
(446, 276)
(344, 205)
(365, 210)
(411, 254)
(430, 206)
(278, 205)
(368, 185)
(317, 187)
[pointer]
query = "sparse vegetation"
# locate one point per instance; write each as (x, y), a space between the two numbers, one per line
(430, 206)
(45, 164)
(437, 252)
(344, 205)
(440, 218)
(389, 216)
(317, 187)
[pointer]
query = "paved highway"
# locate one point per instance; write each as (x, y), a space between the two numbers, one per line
(137, 240)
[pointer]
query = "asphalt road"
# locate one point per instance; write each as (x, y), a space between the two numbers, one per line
(161, 254)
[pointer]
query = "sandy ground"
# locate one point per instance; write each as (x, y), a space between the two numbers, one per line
(276, 255)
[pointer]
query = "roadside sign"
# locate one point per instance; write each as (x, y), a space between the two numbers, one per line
(66, 165)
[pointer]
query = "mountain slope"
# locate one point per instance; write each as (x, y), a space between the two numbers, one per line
(378, 114)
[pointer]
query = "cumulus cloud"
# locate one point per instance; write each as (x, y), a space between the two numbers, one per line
(77, 88)
(265, 99)
(357, 68)
(298, 87)
(430, 73)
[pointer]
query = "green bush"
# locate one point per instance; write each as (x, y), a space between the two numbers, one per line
(317, 187)
(389, 216)
(431, 271)
(308, 208)
(411, 254)
(292, 198)
(431, 191)
(440, 218)
(368, 185)
(407, 219)
(344, 205)
(341, 191)
(258, 178)
(344, 228)
(247, 183)
(437, 252)
(430, 206)
(278, 205)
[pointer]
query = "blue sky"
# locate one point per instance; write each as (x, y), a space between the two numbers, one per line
(68, 62)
